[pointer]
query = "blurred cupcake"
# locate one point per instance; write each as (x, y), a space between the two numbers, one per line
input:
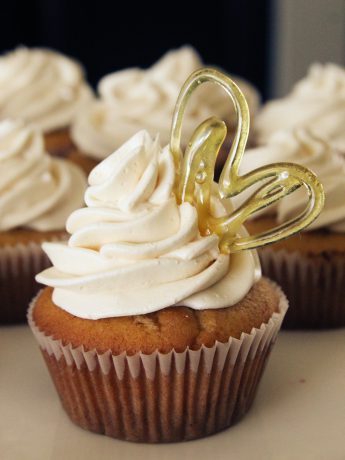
(134, 99)
(149, 332)
(310, 267)
(37, 193)
(317, 103)
(46, 89)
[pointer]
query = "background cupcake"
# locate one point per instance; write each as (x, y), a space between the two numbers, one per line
(150, 333)
(317, 103)
(133, 99)
(310, 267)
(45, 89)
(37, 193)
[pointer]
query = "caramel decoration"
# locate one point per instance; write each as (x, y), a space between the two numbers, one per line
(195, 173)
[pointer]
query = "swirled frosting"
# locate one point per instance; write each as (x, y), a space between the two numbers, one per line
(317, 102)
(134, 99)
(36, 191)
(302, 147)
(42, 87)
(134, 250)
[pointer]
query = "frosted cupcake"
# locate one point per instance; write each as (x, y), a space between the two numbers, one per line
(133, 99)
(171, 335)
(317, 103)
(37, 193)
(311, 266)
(46, 89)
(155, 324)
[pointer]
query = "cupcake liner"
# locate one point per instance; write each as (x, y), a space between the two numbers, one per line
(160, 397)
(18, 266)
(314, 285)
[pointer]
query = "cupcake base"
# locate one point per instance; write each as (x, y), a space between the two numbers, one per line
(18, 267)
(158, 397)
(313, 283)
(19, 263)
(310, 268)
(129, 409)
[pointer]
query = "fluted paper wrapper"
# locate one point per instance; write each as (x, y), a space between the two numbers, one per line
(314, 285)
(18, 266)
(160, 397)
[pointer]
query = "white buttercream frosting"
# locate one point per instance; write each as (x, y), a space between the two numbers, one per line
(42, 87)
(302, 147)
(36, 191)
(135, 99)
(134, 250)
(317, 102)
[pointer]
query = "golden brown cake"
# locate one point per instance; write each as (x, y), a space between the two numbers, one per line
(26, 236)
(171, 328)
(59, 142)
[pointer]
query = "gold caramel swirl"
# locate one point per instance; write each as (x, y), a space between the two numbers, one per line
(195, 173)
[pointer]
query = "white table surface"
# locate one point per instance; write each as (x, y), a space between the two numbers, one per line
(299, 412)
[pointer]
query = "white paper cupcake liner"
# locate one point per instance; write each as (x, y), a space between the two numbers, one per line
(18, 266)
(314, 285)
(160, 397)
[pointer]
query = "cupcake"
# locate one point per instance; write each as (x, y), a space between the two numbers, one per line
(149, 332)
(310, 267)
(45, 89)
(132, 99)
(37, 193)
(317, 103)
(156, 324)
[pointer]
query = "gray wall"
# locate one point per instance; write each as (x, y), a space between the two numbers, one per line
(303, 32)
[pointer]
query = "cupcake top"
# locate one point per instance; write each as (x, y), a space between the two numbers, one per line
(134, 249)
(133, 99)
(302, 147)
(317, 102)
(36, 191)
(42, 87)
